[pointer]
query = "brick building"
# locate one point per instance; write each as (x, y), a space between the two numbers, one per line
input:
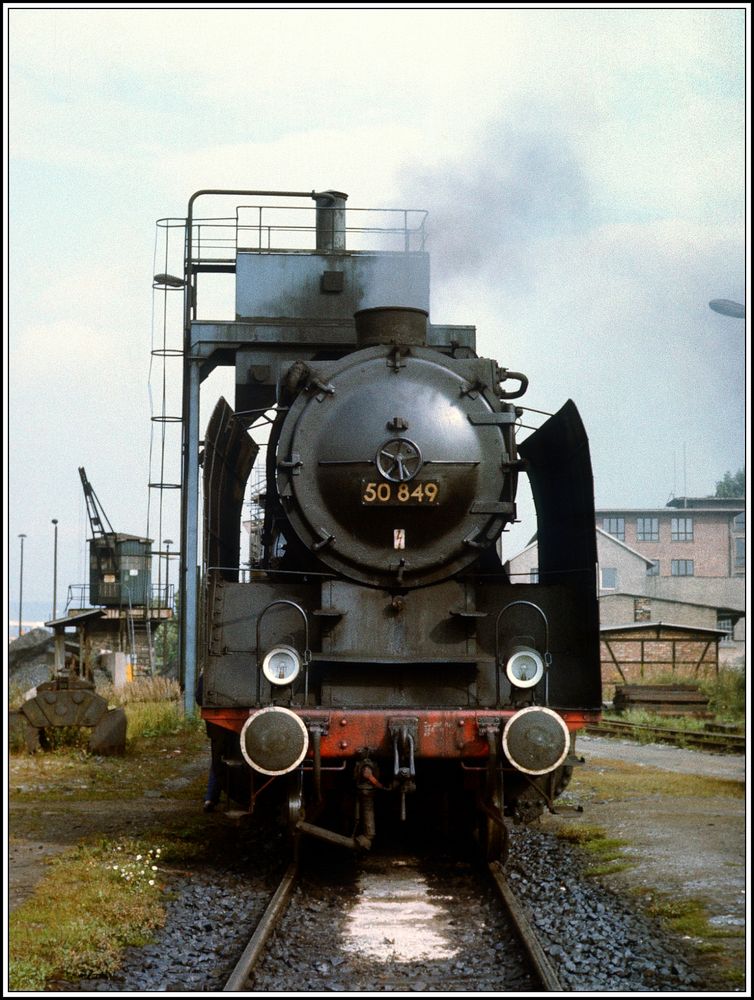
(688, 538)
(697, 551)
(683, 564)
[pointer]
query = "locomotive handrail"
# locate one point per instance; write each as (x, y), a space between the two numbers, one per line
(250, 574)
(522, 387)
(307, 651)
(547, 656)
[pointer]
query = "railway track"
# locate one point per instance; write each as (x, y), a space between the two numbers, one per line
(540, 962)
(696, 739)
(402, 930)
(240, 975)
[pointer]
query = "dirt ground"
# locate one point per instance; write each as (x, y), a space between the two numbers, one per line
(684, 846)
(40, 828)
(679, 847)
(696, 846)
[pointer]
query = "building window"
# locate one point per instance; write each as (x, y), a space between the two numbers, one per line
(615, 526)
(534, 574)
(654, 569)
(682, 529)
(681, 567)
(740, 553)
(726, 625)
(647, 529)
(739, 522)
(608, 578)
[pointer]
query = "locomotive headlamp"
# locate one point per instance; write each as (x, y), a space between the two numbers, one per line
(525, 667)
(536, 740)
(274, 740)
(281, 665)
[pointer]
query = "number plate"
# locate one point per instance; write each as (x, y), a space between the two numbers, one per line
(412, 494)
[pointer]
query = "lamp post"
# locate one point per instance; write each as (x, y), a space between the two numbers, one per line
(21, 591)
(167, 542)
(55, 572)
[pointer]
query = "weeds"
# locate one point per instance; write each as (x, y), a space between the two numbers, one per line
(727, 695)
(625, 780)
(641, 717)
(143, 689)
(727, 702)
(153, 706)
(605, 851)
(689, 920)
(149, 719)
(97, 900)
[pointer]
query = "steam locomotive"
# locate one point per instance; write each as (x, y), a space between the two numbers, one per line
(374, 660)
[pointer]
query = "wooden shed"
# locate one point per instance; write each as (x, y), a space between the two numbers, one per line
(647, 652)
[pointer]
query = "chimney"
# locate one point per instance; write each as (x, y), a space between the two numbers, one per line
(399, 326)
(331, 220)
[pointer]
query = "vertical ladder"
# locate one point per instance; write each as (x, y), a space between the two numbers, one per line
(138, 625)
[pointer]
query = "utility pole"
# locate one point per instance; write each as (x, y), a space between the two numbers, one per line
(55, 572)
(167, 542)
(21, 591)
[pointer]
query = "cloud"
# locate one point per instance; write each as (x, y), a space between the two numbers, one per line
(313, 159)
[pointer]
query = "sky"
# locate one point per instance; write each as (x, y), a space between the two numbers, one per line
(584, 170)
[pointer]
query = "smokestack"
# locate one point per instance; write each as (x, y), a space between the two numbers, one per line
(331, 220)
(402, 327)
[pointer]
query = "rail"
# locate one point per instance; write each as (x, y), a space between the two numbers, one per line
(525, 931)
(691, 738)
(388, 903)
(238, 979)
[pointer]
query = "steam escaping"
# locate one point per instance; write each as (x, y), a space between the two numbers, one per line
(522, 184)
(597, 298)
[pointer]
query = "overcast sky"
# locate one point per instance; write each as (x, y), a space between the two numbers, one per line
(584, 171)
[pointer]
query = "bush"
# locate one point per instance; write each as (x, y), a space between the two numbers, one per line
(727, 694)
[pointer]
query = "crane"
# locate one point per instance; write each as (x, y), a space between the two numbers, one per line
(103, 542)
(94, 508)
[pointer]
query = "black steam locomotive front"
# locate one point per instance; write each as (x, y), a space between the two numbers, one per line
(377, 655)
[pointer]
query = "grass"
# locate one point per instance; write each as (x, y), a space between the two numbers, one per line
(687, 918)
(104, 895)
(622, 780)
(605, 851)
(97, 900)
(68, 771)
(158, 734)
(690, 919)
(718, 948)
(641, 717)
(727, 695)
(153, 707)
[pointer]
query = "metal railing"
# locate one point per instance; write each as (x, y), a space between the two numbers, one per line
(161, 596)
(285, 228)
